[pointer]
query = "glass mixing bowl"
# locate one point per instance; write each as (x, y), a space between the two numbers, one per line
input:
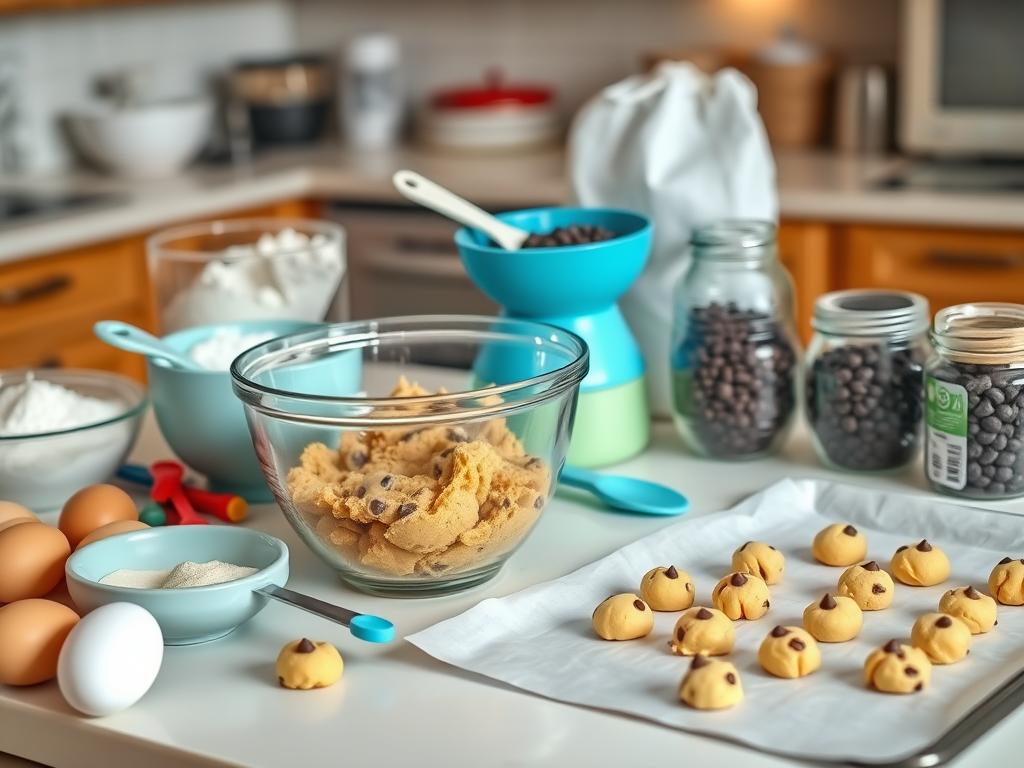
(413, 455)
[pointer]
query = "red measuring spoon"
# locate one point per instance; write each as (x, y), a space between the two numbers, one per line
(167, 487)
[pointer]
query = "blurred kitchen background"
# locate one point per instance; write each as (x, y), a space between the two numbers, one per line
(897, 129)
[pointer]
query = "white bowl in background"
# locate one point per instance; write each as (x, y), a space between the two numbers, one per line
(146, 141)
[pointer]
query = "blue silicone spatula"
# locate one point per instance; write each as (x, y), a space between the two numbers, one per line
(372, 629)
(628, 494)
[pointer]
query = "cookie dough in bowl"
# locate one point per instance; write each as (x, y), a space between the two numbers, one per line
(416, 475)
(973, 607)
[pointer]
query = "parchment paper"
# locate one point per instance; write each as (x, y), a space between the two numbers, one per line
(540, 639)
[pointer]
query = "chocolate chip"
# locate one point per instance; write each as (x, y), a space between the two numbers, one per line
(738, 580)
(680, 634)
(766, 604)
(772, 548)
(640, 605)
(357, 459)
(900, 549)
(797, 644)
(910, 671)
(437, 473)
(919, 686)
(828, 602)
(377, 507)
(700, 660)
(407, 509)
(972, 593)
(704, 614)
(877, 589)
(671, 572)
(730, 678)
(745, 545)
(689, 587)
(360, 491)
(506, 502)
(779, 631)
(410, 435)
(893, 646)
(538, 502)
(387, 481)
(850, 530)
(870, 565)
(924, 546)
(1004, 561)
(305, 646)
(943, 622)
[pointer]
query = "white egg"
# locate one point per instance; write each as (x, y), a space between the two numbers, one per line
(110, 659)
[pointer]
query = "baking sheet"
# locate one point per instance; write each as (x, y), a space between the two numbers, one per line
(540, 639)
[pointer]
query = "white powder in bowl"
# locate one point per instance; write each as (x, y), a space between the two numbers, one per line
(181, 576)
(33, 406)
(217, 352)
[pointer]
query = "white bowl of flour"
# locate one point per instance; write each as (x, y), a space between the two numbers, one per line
(61, 430)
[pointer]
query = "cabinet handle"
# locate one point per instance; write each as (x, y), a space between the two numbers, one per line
(50, 362)
(38, 289)
(986, 260)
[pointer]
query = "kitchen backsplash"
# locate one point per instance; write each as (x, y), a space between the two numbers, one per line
(576, 45)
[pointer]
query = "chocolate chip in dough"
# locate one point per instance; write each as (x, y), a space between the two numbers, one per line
(360, 491)
(407, 509)
(671, 572)
(680, 634)
(305, 646)
(640, 605)
(704, 614)
(766, 604)
(893, 646)
(924, 546)
(357, 459)
(377, 507)
(700, 660)
(900, 549)
(972, 593)
(877, 589)
(850, 530)
(943, 622)
(910, 671)
(919, 686)
(797, 644)
(870, 565)
(738, 580)
(730, 678)
(779, 631)
(1005, 560)
(827, 603)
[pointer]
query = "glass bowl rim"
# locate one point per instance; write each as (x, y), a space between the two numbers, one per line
(156, 247)
(134, 409)
(454, 403)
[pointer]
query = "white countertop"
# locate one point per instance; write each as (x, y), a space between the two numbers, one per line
(218, 704)
(812, 186)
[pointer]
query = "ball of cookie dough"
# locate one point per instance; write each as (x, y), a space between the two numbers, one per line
(833, 619)
(304, 664)
(667, 589)
(897, 668)
(711, 684)
(942, 637)
(741, 596)
(974, 608)
(789, 652)
(703, 630)
(1006, 582)
(759, 559)
(623, 617)
(869, 586)
(839, 544)
(920, 565)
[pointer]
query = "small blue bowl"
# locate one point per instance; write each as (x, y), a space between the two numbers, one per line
(205, 424)
(185, 616)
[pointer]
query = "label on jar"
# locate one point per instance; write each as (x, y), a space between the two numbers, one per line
(947, 433)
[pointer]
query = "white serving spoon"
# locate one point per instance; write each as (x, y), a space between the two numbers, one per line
(425, 192)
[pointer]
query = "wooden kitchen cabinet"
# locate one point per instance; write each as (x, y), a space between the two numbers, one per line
(806, 250)
(49, 303)
(945, 265)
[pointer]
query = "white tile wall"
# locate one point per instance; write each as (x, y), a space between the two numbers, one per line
(178, 46)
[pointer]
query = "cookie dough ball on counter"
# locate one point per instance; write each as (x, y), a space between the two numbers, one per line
(975, 609)
(839, 544)
(304, 664)
(897, 668)
(1006, 582)
(759, 559)
(711, 684)
(869, 586)
(667, 589)
(920, 565)
(942, 637)
(741, 596)
(789, 652)
(623, 617)
(703, 630)
(833, 619)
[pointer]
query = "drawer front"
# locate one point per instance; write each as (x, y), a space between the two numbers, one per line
(91, 282)
(947, 266)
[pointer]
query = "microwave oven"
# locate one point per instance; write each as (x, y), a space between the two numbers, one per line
(962, 77)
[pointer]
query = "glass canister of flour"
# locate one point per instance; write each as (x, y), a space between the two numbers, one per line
(863, 378)
(974, 389)
(734, 349)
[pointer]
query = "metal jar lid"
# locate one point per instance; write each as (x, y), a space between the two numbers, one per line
(871, 312)
(983, 332)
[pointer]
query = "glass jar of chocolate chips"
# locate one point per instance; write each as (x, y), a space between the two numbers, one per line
(863, 378)
(974, 388)
(734, 345)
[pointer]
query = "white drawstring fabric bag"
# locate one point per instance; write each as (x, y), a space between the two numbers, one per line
(685, 149)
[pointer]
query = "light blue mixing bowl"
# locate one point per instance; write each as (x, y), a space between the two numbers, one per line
(205, 424)
(185, 616)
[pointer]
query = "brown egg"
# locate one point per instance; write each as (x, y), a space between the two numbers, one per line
(31, 635)
(93, 506)
(31, 560)
(112, 529)
(12, 513)
(17, 521)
